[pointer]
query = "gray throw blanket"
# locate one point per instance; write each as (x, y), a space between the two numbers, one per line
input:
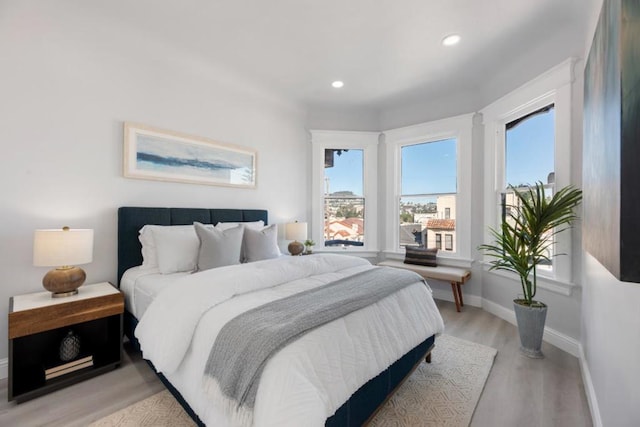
(245, 344)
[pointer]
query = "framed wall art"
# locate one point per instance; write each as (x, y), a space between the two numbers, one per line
(611, 149)
(162, 155)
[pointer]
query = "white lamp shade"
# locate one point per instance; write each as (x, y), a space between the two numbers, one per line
(62, 247)
(296, 231)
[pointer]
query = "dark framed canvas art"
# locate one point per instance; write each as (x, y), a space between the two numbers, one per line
(611, 151)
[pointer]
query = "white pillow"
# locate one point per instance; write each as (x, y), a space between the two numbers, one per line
(218, 247)
(251, 224)
(176, 247)
(261, 244)
(149, 256)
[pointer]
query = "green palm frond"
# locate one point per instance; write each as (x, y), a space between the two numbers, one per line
(525, 240)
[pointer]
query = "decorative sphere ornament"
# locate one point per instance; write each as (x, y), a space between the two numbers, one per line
(69, 347)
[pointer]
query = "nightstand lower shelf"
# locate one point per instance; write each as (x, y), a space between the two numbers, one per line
(61, 382)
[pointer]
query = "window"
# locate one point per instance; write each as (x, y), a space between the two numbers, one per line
(344, 190)
(344, 207)
(428, 195)
(428, 172)
(528, 137)
(529, 157)
(448, 242)
(438, 240)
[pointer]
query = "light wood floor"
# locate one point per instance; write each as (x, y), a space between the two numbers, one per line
(520, 391)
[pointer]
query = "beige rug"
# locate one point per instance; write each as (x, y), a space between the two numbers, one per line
(443, 393)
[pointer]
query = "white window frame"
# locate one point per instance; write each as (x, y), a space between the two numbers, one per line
(552, 87)
(459, 128)
(366, 141)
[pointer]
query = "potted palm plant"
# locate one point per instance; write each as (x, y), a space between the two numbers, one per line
(524, 242)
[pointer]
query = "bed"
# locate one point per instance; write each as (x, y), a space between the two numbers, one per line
(372, 389)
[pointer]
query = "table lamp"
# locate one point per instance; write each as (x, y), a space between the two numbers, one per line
(296, 231)
(64, 249)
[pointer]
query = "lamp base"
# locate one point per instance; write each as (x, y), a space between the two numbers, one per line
(64, 294)
(64, 281)
(295, 248)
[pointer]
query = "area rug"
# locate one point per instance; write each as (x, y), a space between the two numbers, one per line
(442, 393)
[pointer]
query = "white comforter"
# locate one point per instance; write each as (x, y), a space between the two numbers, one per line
(307, 381)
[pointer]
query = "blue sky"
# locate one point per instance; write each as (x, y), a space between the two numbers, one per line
(529, 152)
(347, 172)
(431, 168)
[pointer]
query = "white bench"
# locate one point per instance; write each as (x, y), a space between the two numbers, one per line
(454, 275)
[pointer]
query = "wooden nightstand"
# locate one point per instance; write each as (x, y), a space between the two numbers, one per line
(37, 326)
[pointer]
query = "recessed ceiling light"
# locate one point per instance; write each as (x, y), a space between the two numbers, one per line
(337, 84)
(450, 40)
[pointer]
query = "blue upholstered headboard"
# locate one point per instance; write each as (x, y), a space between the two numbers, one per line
(132, 219)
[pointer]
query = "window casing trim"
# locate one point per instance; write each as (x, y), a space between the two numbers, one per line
(460, 128)
(552, 87)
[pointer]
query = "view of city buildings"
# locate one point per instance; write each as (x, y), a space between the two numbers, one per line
(425, 219)
(432, 222)
(343, 219)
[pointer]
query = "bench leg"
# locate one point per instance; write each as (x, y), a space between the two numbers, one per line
(428, 358)
(460, 294)
(455, 295)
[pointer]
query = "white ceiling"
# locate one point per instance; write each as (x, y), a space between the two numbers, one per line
(388, 52)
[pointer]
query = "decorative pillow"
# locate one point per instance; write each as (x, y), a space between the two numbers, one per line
(256, 225)
(218, 247)
(261, 244)
(176, 247)
(421, 256)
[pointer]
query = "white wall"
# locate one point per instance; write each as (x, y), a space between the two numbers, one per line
(343, 119)
(611, 345)
(68, 80)
(610, 339)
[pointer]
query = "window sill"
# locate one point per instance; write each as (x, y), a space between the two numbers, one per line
(448, 261)
(544, 282)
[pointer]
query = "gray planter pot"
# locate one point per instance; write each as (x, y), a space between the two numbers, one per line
(531, 328)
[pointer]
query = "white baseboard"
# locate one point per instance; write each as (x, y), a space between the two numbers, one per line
(558, 339)
(4, 368)
(447, 295)
(589, 389)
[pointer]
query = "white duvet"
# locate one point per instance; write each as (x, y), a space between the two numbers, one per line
(304, 383)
